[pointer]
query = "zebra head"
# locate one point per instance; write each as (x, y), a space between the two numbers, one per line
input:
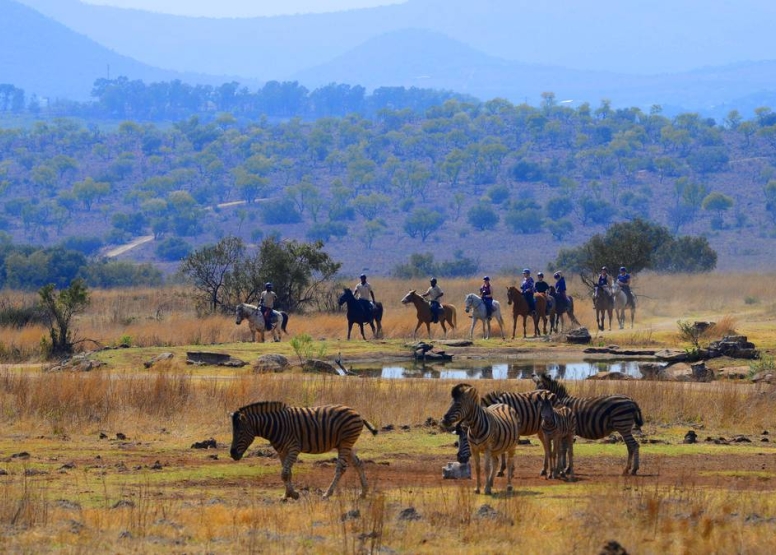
(242, 435)
(464, 398)
(464, 449)
(544, 381)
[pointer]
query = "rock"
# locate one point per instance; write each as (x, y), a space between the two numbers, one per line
(455, 342)
(409, 514)
(319, 367)
(766, 376)
(702, 374)
(681, 372)
(158, 358)
(457, 471)
(651, 371)
(207, 444)
(735, 346)
(270, 363)
(612, 547)
(610, 376)
(219, 359)
(733, 373)
(671, 355)
(690, 437)
(579, 335)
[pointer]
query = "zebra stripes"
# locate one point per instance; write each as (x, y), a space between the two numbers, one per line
(558, 426)
(493, 430)
(464, 449)
(294, 430)
(598, 417)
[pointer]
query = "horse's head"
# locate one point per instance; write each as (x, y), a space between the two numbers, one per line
(347, 294)
(408, 297)
(468, 302)
(238, 312)
(511, 292)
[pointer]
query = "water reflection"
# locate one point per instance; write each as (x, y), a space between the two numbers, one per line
(523, 370)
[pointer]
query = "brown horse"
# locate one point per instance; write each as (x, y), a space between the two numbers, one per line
(520, 308)
(557, 322)
(543, 315)
(424, 313)
(603, 302)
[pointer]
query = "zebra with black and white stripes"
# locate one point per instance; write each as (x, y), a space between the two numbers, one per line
(294, 430)
(598, 417)
(492, 431)
(558, 427)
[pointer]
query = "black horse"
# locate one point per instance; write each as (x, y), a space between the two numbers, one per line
(361, 311)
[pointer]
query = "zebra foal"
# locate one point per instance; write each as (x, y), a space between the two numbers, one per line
(558, 427)
(597, 417)
(294, 430)
(491, 431)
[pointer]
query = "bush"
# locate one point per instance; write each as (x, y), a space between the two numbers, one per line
(482, 217)
(326, 230)
(280, 213)
(173, 249)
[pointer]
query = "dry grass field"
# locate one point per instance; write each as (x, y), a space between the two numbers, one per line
(102, 461)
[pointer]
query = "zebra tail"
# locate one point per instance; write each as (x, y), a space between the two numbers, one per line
(638, 418)
(370, 427)
(285, 322)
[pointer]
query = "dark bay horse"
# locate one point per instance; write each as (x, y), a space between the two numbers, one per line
(603, 302)
(362, 312)
(557, 322)
(424, 313)
(520, 308)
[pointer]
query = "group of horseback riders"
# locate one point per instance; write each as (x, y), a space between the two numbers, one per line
(623, 280)
(365, 294)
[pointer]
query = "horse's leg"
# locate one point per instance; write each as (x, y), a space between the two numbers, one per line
(525, 325)
(444, 329)
(361, 327)
(350, 328)
(374, 331)
(471, 330)
(501, 325)
(633, 315)
(514, 325)
(415, 333)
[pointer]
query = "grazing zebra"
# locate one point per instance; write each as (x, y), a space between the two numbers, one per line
(598, 417)
(464, 449)
(294, 430)
(528, 408)
(493, 430)
(558, 426)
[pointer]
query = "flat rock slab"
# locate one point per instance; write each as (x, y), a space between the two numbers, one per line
(217, 359)
(621, 352)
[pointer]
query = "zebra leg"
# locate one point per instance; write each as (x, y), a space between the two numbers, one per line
(360, 469)
(633, 454)
(546, 446)
(490, 470)
(342, 456)
(503, 466)
(476, 455)
(510, 467)
(570, 455)
(285, 474)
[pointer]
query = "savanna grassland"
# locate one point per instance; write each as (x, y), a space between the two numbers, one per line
(101, 461)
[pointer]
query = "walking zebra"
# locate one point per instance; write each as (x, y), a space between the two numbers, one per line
(528, 408)
(294, 430)
(558, 426)
(492, 430)
(598, 417)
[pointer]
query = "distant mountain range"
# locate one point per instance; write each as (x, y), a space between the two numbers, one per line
(591, 50)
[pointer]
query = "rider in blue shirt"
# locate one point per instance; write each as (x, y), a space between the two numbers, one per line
(603, 282)
(560, 290)
(623, 280)
(527, 288)
(487, 295)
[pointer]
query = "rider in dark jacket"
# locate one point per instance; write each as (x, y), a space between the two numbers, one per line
(486, 295)
(623, 280)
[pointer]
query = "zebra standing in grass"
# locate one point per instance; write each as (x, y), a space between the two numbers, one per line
(558, 426)
(598, 417)
(528, 408)
(493, 430)
(294, 430)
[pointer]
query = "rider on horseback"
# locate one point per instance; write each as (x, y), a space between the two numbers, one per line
(363, 292)
(542, 286)
(527, 287)
(623, 280)
(487, 296)
(267, 304)
(560, 291)
(434, 293)
(603, 281)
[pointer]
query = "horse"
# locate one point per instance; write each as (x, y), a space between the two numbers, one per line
(520, 308)
(557, 322)
(479, 312)
(548, 313)
(362, 312)
(620, 304)
(423, 308)
(256, 321)
(603, 304)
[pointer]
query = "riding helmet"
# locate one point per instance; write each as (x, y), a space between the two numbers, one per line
(486, 278)
(557, 275)
(623, 269)
(526, 271)
(604, 269)
(268, 285)
(433, 281)
(362, 276)
(540, 274)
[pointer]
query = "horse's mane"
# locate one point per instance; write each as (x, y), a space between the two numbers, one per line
(246, 305)
(263, 407)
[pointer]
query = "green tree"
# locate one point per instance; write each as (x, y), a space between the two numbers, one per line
(560, 229)
(422, 223)
(61, 307)
(482, 217)
(718, 203)
(207, 269)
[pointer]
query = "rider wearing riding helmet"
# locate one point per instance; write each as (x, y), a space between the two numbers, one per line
(487, 295)
(527, 288)
(624, 280)
(560, 290)
(434, 293)
(267, 304)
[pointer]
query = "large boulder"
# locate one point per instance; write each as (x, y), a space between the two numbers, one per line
(735, 346)
(733, 373)
(579, 335)
(610, 376)
(457, 471)
(671, 355)
(683, 372)
(319, 367)
(270, 363)
(158, 358)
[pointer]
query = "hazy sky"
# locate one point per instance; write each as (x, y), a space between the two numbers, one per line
(242, 8)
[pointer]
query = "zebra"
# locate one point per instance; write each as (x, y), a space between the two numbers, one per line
(528, 408)
(493, 430)
(294, 430)
(598, 417)
(558, 426)
(464, 449)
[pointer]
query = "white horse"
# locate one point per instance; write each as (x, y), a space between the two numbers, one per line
(245, 311)
(621, 303)
(480, 312)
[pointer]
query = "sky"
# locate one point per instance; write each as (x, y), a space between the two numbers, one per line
(242, 8)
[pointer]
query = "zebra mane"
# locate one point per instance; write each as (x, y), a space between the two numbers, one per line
(463, 389)
(546, 382)
(492, 397)
(262, 407)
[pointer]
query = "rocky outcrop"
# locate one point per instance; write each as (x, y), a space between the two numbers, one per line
(579, 335)
(158, 358)
(270, 363)
(610, 376)
(735, 346)
(202, 358)
(319, 367)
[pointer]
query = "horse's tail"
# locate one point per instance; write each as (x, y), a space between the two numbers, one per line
(570, 311)
(453, 321)
(378, 312)
(285, 322)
